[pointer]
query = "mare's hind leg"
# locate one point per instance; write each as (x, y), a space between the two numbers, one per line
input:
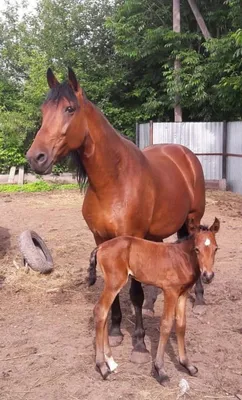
(115, 334)
(199, 291)
(139, 353)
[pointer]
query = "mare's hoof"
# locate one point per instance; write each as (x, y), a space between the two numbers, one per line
(115, 341)
(199, 309)
(148, 312)
(103, 369)
(138, 357)
(199, 302)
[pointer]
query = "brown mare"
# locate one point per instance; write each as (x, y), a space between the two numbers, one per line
(148, 194)
(173, 267)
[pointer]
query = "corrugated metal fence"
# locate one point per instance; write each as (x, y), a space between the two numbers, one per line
(218, 146)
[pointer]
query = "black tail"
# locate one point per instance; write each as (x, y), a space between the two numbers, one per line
(92, 270)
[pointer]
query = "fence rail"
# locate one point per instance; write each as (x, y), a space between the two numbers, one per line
(218, 146)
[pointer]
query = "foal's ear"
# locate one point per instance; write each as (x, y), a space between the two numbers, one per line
(216, 225)
(51, 79)
(72, 80)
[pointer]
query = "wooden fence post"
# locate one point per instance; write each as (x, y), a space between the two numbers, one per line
(151, 133)
(137, 134)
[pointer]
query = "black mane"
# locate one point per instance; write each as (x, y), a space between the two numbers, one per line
(60, 91)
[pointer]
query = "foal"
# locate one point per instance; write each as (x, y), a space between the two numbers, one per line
(182, 263)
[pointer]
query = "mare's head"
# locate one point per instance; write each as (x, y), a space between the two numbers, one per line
(63, 126)
(205, 248)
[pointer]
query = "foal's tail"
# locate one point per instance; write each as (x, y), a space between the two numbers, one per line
(92, 270)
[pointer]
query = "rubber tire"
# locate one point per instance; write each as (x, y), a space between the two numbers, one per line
(35, 252)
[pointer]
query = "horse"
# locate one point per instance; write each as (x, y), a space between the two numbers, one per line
(130, 192)
(173, 267)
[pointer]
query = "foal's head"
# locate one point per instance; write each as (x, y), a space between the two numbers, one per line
(205, 248)
(63, 126)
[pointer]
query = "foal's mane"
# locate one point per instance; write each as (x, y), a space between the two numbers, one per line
(188, 237)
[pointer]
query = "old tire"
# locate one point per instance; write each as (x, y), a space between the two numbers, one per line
(35, 252)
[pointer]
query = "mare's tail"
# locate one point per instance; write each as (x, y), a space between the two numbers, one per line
(92, 270)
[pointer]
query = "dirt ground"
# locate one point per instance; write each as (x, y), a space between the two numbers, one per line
(46, 323)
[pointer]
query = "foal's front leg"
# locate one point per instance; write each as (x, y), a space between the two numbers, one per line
(180, 332)
(170, 301)
(199, 292)
(139, 353)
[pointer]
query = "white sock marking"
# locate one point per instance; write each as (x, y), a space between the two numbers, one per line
(111, 363)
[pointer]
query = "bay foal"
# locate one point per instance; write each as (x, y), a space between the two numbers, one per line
(173, 267)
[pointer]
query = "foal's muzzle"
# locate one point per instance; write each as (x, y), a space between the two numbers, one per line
(207, 277)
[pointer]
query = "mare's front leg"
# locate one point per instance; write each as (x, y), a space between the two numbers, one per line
(180, 332)
(150, 296)
(170, 301)
(199, 292)
(139, 353)
(115, 334)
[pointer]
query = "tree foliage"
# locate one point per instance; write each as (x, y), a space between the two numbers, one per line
(123, 52)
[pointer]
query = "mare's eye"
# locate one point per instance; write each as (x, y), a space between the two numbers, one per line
(70, 110)
(196, 250)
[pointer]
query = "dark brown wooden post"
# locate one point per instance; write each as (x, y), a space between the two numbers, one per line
(137, 134)
(177, 64)
(151, 133)
(224, 157)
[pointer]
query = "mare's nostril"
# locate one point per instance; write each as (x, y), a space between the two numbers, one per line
(41, 158)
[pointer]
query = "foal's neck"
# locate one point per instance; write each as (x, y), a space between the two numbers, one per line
(105, 154)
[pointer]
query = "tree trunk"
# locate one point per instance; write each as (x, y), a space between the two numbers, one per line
(199, 19)
(177, 65)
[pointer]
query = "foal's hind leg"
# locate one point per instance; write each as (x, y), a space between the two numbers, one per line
(139, 353)
(104, 362)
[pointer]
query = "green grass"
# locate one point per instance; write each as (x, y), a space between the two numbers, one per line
(39, 186)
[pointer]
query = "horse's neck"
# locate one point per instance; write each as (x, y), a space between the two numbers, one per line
(105, 154)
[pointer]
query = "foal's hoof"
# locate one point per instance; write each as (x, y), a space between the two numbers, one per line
(115, 341)
(147, 312)
(161, 376)
(103, 369)
(138, 357)
(192, 370)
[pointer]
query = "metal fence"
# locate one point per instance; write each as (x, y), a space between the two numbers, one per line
(218, 146)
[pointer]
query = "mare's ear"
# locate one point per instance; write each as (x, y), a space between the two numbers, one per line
(192, 227)
(72, 80)
(51, 79)
(216, 225)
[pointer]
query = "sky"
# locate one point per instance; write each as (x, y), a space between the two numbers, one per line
(29, 5)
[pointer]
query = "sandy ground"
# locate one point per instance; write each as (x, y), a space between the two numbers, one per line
(46, 323)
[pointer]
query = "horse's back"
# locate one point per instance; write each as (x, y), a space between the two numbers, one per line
(182, 165)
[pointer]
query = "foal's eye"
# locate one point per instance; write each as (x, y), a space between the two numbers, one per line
(216, 249)
(196, 250)
(70, 110)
